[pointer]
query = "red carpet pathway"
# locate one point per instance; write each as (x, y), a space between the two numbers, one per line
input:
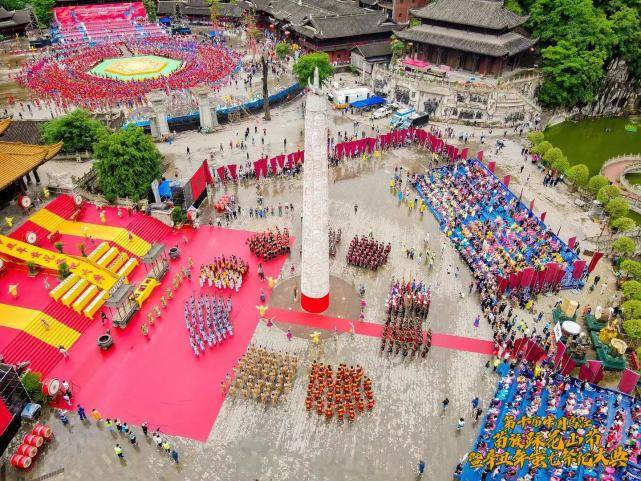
(316, 321)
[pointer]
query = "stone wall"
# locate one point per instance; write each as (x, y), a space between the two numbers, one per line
(508, 101)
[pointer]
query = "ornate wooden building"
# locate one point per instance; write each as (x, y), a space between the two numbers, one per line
(480, 36)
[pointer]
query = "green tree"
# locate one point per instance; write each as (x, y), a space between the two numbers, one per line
(571, 75)
(579, 174)
(631, 309)
(596, 182)
(306, 64)
(561, 165)
(398, 50)
(63, 270)
(536, 137)
(150, 7)
(514, 6)
(59, 247)
(632, 269)
(623, 224)
(632, 328)
(607, 193)
(283, 49)
(33, 385)
(177, 216)
(15, 4)
(415, 22)
(624, 246)
(127, 162)
(617, 208)
(78, 131)
(626, 23)
(552, 155)
(43, 10)
(541, 148)
(631, 290)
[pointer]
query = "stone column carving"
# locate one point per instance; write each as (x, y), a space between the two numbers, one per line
(208, 117)
(315, 257)
(158, 101)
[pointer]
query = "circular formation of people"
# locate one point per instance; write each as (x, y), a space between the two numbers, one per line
(64, 76)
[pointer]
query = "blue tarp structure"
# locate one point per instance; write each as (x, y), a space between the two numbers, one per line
(361, 104)
(164, 189)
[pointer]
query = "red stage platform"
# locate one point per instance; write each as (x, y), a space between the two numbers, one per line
(158, 379)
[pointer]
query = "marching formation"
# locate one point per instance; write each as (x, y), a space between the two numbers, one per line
(334, 240)
(407, 305)
(263, 375)
(367, 252)
(224, 273)
(345, 392)
(207, 321)
(268, 245)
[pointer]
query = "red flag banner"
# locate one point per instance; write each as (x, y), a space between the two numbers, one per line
(491, 166)
(628, 381)
(578, 268)
(597, 371)
(532, 205)
(232, 171)
(560, 351)
(567, 365)
(465, 152)
(506, 180)
(222, 175)
(543, 216)
(571, 242)
(594, 261)
(201, 178)
(479, 155)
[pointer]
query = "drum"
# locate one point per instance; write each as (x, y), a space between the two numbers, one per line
(51, 387)
(21, 462)
(43, 430)
(33, 440)
(27, 450)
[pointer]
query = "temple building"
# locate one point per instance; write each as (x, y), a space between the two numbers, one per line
(331, 26)
(480, 36)
(396, 10)
(15, 22)
(18, 160)
(200, 11)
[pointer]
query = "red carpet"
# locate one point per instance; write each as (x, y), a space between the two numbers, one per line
(158, 379)
(317, 321)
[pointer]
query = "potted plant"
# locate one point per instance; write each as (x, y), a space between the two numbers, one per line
(63, 271)
(83, 249)
(33, 268)
(59, 246)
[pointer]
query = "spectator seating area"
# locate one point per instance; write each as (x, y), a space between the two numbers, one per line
(94, 24)
(496, 234)
(520, 395)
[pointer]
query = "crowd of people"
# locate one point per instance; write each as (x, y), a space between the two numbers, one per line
(345, 392)
(208, 321)
(269, 244)
(65, 75)
(492, 230)
(263, 375)
(224, 273)
(365, 251)
(407, 306)
(525, 392)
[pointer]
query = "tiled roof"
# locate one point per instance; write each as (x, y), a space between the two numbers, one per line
(25, 131)
(373, 50)
(509, 43)
(326, 19)
(4, 125)
(14, 18)
(201, 8)
(18, 159)
(475, 13)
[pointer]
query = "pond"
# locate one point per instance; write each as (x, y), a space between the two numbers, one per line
(592, 142)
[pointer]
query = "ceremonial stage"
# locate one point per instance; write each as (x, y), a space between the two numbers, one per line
(140, 67)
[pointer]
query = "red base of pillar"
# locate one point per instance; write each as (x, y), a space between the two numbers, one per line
(315, 305)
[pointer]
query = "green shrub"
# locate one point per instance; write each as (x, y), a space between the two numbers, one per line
(552, 155)
(177, 216)
(579, 174)
(63, 270)
(561, 165)
(535, 137)
(33, 385)
(631, 309)
(632, 328)
(542, 148)
(607, 193)
(632, 268)
(623, 224)
(596, 182)
(631, 290)
(624, 246)
(617, 208)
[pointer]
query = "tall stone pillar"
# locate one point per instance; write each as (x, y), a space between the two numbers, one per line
(153, 126)
(315, 259)
(208, 117)
(158, 101)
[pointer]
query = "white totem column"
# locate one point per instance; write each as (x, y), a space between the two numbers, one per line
(315, 264)
(158, 101)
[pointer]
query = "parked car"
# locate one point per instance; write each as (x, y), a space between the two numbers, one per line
(382, 112)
